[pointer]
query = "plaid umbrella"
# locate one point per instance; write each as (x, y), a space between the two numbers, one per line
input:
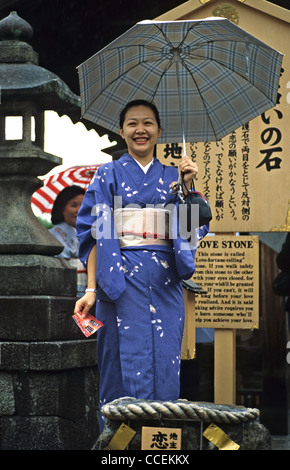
(207, 77)
(45, 196)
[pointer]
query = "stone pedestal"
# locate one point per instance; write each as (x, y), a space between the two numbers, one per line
(240, 424)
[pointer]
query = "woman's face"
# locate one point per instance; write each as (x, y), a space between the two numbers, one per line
(71, 209)
(140, 131)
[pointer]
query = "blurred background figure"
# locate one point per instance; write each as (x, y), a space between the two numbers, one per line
(63, 218)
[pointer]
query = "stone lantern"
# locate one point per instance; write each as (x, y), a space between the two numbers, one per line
(48, 372)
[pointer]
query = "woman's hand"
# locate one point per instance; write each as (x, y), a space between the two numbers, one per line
(84, 304)
(188, 168)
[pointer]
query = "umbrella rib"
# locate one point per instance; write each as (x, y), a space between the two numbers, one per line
(200, 94)
(163, 34)
(161, 77)
(236, 72)
(125, 73)
(169, 42)
(242, 41)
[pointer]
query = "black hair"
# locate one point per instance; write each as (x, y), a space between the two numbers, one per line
(133, 103)
(61, 200)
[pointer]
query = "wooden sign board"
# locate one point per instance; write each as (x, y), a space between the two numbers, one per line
(233, 175)
(227, 267)
(160, 438)
(236, 172)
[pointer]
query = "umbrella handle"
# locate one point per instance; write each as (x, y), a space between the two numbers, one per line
(181, 108)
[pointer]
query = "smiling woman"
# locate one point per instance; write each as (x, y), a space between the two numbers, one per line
(140, 128)
(138, 272)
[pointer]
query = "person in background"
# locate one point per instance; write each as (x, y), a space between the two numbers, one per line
(63, 217)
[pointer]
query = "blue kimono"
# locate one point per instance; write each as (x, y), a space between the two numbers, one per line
(140, 296)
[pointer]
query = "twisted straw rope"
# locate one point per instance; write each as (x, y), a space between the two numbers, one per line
(118, 411)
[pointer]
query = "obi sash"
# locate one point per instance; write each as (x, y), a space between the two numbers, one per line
(142, 226)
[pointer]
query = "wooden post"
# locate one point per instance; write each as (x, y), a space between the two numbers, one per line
(225, 366)
(188, 340)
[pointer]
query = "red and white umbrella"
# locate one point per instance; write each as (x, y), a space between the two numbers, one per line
(43, 199)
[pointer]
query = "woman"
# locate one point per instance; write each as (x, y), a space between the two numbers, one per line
(139, 273)
(63, 217)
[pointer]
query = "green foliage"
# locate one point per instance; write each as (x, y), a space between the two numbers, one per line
(47, 224)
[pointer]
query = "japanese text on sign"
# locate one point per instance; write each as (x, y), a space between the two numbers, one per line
(161, 438)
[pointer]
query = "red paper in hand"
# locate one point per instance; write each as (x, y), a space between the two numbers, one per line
(88, 325)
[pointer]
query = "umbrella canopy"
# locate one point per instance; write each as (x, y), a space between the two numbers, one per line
(43, 199)
(207, 77)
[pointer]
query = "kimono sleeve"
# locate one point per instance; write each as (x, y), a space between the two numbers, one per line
(185, 253)
(95, 225)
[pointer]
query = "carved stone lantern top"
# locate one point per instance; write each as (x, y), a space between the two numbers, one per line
(27, 90)
(15, 28)
(22, 77)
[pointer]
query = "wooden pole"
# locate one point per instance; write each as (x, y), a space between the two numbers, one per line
(225, 366)
(188, 340)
